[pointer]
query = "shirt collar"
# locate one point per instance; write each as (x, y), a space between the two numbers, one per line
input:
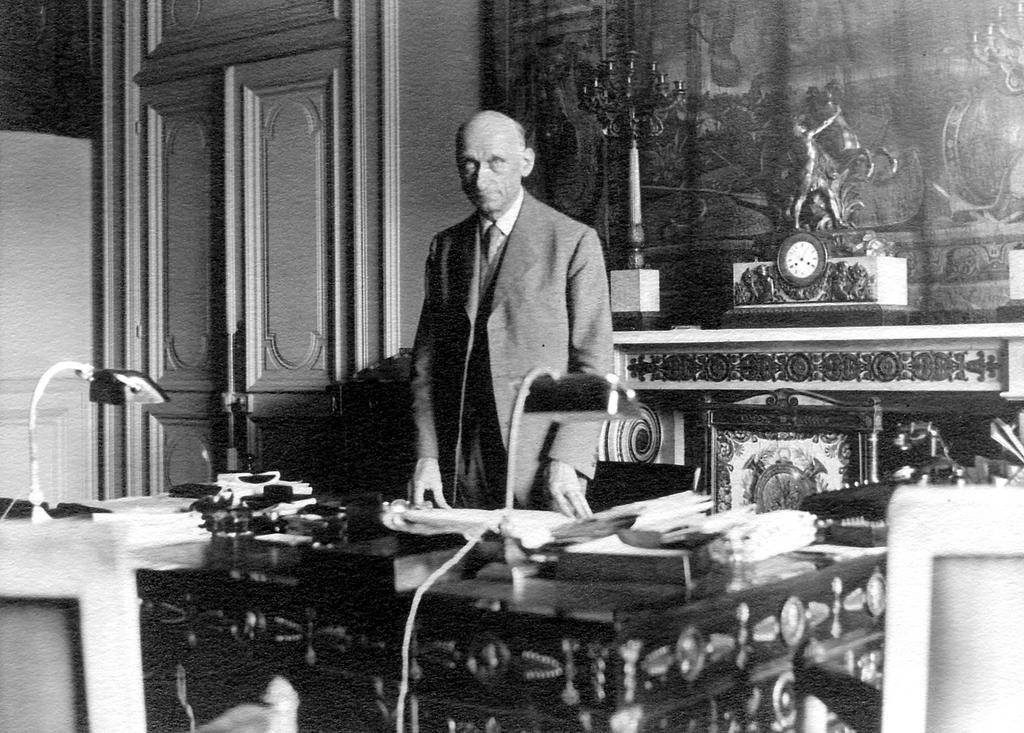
(507, 220)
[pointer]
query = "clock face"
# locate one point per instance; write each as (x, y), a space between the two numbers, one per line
(802, 259)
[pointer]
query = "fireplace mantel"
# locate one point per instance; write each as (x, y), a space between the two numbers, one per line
(976, 357)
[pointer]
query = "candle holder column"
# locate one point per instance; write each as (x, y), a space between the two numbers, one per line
(630, 105)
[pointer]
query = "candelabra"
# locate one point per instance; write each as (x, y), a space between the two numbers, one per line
(630, 105)
(1001, 47)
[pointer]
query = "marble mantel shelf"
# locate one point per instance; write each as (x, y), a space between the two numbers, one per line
(976, 357)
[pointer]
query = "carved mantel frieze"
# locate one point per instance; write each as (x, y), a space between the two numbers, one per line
(930, 358)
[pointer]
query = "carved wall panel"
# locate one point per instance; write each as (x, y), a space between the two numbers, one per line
(185, 25)
(187, 334)
(188, 446)
(186, 239)
(287, 142)
(288, 116)
(67, 461)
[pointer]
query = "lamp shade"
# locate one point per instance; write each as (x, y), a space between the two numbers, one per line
(574, 397)
(121, 386)
(581, 397)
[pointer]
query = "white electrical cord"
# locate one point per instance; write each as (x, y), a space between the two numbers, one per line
(410, 622)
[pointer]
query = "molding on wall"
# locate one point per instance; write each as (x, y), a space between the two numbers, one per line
(136, 443)
(361, 256)
(113, 223)
(392, 203)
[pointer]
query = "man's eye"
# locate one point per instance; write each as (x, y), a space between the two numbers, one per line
(497, 164)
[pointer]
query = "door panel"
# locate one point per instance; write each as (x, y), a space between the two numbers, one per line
(285, 161)
(187, 332)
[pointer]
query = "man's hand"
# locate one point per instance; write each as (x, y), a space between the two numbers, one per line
(427, 477)
(567, 490)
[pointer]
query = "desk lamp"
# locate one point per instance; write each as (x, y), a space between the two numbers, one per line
(577, 397)
(106, 386)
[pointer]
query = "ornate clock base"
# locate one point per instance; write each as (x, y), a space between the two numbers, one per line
(843, 280)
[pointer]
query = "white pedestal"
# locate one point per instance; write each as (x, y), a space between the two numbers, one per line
(635, 291)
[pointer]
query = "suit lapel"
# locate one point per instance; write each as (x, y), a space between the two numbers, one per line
(463, 267)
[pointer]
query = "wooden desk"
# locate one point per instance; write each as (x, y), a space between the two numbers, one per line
(550, 654)
(555, 655)
(233, 615)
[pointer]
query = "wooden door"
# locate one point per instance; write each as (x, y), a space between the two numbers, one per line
(286, 226)
(187, 335)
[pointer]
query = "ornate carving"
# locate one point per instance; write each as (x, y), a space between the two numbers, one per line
(636, 440)
(818, 366)
(843, 282)
(780, 469)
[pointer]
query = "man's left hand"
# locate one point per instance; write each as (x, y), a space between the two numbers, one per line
(567, 490)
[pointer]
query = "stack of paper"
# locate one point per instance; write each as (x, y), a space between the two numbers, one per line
(765, 535)
(157, 528)
(249, 484)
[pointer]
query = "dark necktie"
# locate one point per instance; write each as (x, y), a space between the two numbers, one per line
(492, 239)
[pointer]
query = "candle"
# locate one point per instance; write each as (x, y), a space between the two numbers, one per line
(634, 186)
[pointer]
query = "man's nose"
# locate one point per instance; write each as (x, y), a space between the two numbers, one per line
(482, 176)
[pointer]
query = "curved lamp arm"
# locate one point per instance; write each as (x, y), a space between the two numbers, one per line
(35, 493)
(518, 408)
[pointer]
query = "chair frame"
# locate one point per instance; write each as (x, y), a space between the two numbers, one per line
(85, 562)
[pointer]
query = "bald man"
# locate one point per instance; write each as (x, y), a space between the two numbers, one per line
(515, 286)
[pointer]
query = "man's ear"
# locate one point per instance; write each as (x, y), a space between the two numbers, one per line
(529, 158)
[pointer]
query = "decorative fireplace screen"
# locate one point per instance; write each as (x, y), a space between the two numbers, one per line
(775, 448)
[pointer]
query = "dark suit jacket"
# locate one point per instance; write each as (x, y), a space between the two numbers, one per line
(550, 309)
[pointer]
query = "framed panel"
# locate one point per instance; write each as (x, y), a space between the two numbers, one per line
(284, 136)
(185, 234)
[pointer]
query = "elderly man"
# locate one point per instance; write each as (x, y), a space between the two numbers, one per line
(515, 286)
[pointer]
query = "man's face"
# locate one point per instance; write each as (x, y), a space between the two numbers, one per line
(492, 161)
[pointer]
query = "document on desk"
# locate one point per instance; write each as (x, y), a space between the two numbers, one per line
(523, 523)
(612, 545)
(154, 521)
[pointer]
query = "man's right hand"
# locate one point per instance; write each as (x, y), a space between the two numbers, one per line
(427, 477)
